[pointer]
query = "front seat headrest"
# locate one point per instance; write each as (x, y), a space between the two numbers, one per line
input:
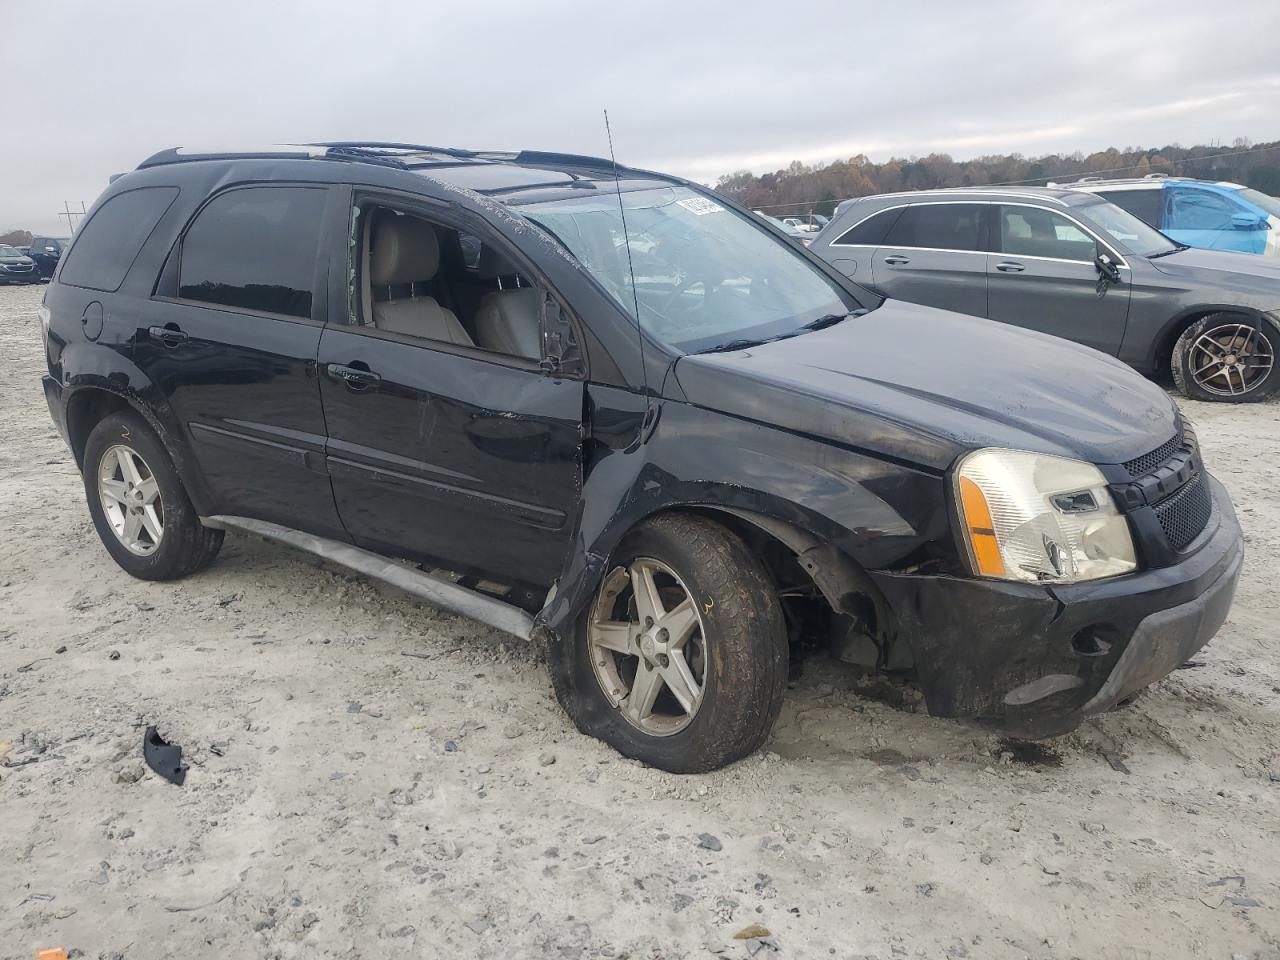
(493, 264)
(405, 250)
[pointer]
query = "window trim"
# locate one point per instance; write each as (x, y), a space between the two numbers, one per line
(450, 217)
(1121, 263)
(170, 277)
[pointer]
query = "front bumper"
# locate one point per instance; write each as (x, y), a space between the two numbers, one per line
(1035, 661)
(19, 276)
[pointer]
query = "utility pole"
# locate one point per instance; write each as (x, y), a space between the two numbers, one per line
(69, 215)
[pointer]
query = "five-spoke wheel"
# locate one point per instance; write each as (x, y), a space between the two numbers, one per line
(131, 499)
(681, 659)
(1227, 357)
(646, 645)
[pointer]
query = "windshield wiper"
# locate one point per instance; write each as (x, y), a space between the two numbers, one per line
(736, 345)
(1177, 248)
(831, 319)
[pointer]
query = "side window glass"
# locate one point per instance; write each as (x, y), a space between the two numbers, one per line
(870, 232)
(1033, 232)
(420, 278)
(1200, 210)
(107, 245)
(942, 226)
(255, 249)
(1144, 204)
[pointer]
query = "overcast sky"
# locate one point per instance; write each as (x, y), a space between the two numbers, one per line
(698, 89)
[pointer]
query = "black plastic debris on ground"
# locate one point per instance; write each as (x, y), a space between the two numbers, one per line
(165, 759)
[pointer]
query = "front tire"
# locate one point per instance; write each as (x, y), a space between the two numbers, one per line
(1227, 358)
(681, 659)
(138, 504)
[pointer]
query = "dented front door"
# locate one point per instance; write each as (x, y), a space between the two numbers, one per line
(470, 464)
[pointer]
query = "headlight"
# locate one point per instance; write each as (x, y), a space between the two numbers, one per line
(1042, 519)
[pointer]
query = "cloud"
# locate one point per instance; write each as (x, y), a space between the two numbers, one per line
(697, 89)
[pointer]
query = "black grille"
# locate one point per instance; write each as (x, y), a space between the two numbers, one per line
(1183, 515)
(1141, 466)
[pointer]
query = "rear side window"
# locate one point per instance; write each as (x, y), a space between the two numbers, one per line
(1146, 205)
(942, 226)
(871, 231)
(255, 249)
(108, 243)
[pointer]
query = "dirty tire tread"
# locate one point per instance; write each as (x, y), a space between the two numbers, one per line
(187, 545)
(1190, 389)
(748, 643)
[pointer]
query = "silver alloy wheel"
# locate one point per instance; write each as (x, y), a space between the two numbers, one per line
(647, 647)
(131, 500)
(1231, 359)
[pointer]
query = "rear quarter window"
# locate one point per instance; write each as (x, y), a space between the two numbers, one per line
(871, 231)
(106, 246)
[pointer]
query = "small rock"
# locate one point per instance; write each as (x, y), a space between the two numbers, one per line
(1090, 827)
(709, 842)
(450, 747)
(513, 730)
(354, 707)
(753, 931)
(595, 839)
(546, 759)
(987, 859)
(129, 773)
(478, 926)
(924, 889)
(61, 649)
(113, 654)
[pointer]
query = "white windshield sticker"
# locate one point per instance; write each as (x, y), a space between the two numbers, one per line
(700, 205)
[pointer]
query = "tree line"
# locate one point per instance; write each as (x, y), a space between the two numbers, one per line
(803, 189)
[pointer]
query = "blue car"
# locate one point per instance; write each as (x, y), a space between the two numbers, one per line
(1197, 213)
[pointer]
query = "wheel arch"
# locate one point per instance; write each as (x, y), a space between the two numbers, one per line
(91, 399)
(1162, 350)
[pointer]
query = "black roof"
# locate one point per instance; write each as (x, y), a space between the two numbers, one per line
(510, 176)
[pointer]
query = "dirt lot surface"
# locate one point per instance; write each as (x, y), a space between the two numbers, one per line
(374, 778)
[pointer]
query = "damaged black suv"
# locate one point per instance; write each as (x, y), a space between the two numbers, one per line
(610, 410)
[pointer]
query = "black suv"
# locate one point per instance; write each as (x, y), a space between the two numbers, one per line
(47, 252)
(612, 411)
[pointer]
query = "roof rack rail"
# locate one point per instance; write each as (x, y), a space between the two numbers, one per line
(1155, 176)
(373, 145)
(565, 159)
(360, 153)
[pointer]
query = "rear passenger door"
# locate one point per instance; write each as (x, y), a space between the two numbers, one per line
(229, 342)
(933, 254)
(1042, 276)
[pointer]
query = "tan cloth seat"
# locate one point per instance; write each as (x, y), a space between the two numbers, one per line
(507, 319)
(405, 250)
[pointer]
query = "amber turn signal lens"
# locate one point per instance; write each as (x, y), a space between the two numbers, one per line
(980, 529)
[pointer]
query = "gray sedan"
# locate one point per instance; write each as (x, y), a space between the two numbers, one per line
(1073, 265)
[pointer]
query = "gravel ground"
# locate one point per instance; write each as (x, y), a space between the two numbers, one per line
(374, 778)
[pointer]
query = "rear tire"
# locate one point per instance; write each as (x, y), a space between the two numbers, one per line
(1227, 358)
(138, 504)
(734, 657)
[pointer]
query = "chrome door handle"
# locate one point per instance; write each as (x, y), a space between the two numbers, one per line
(897, 260)
(354, 377)
(169, 335)
(1008, 266)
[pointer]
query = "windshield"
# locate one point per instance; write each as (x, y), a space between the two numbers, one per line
(704, 275)
(1127, 232)
(10, 251)
(1259, 199)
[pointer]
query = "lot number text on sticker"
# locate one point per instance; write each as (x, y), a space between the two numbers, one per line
(700, 205)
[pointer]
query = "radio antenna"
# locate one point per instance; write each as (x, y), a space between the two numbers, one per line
(626, 240)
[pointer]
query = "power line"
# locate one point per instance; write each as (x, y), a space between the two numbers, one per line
(1083, 173)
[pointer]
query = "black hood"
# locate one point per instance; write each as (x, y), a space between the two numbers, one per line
(926, 385)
